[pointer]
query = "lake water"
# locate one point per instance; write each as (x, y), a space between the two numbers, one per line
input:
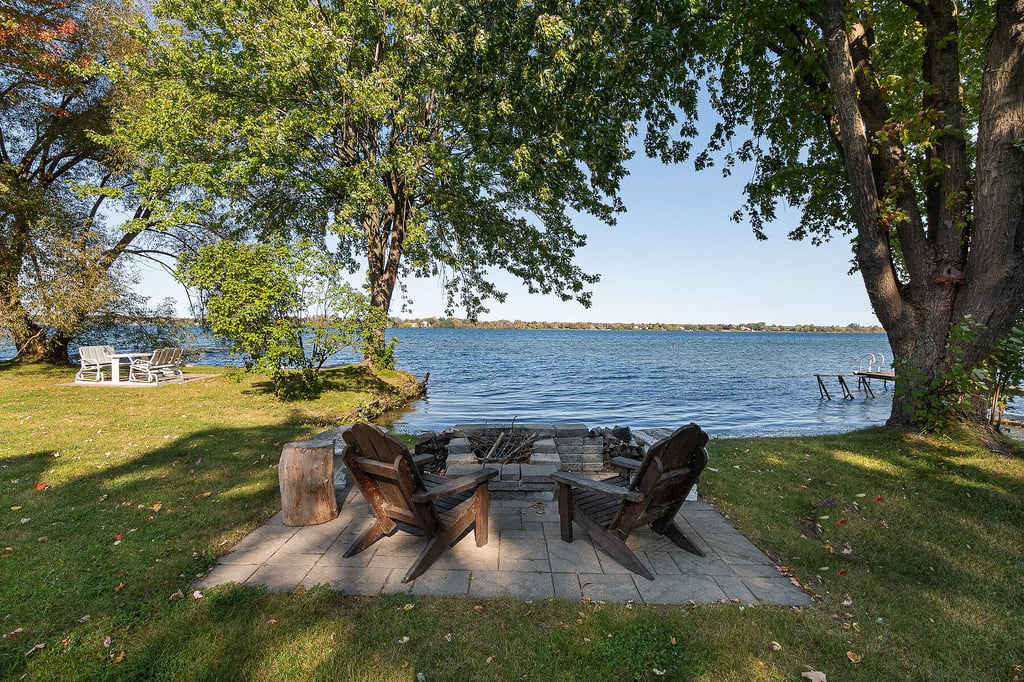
(731, 383)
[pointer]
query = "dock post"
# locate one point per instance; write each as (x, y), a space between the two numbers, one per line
(822, 391)
(846, 390)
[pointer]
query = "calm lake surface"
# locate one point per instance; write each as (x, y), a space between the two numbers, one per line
(731, 383)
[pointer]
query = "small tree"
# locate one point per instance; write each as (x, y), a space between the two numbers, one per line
(284, 308)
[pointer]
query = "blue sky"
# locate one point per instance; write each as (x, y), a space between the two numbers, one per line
(675, 257)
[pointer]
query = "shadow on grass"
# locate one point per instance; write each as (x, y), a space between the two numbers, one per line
(244, 633)
(350, 378)
(113, 536)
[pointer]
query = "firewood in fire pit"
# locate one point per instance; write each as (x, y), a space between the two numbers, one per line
(504, 446)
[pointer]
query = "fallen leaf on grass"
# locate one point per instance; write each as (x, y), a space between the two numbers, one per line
(478, 607)
(878, 499)
(156, 506)
(85, 619)
(840, 573)
(177, 595)
(106, 643)
(404, 640)
(408, 607)
(489, 659)
(776, 646)
(197, 595)
(119, 587)
(854, 657)
(657, 672)
(841, 522)
(40, 485)
(16, 507)
(814, 676)
(274, 622)
(207, 494)
(36, 648)
(12, 633)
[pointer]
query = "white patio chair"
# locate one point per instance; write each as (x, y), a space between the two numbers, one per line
(164, 363)
(94, 360)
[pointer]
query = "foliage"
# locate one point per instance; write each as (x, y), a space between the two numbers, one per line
(382, 356)
(432, 137)
(129, 322)
(284, 308)
(962, 392)
(1006, 371)
(894, 123)
(64, 253)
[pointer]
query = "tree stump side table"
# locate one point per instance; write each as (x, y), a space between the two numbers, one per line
(306, 476)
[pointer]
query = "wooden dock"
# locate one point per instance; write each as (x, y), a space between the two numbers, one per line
(863, 383)
(884, 376)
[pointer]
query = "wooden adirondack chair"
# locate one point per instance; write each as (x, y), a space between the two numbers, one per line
(443, 508)
(610, 509)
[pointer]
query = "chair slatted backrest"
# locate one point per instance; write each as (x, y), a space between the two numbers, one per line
(668, 472)
(158, 358)
(174, 356)
(95, 355)
(386, 474)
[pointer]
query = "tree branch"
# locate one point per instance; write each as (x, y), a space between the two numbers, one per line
(873, 253)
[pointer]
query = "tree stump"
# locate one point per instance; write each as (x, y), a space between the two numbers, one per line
(306, 477)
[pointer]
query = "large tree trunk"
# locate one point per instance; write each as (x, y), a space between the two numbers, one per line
(960, 267)
(35, 344)
(385, 232)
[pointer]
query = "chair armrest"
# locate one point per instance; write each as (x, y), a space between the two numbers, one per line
(609, 489)
(625, 463)
(455, 486)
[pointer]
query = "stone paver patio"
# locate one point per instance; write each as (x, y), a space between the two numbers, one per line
(525, 558)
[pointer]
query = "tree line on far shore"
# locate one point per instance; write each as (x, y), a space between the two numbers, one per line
(462, 323)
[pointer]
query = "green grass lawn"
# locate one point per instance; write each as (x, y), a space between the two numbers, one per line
(113, 500)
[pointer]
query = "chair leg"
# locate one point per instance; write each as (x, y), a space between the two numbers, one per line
(565, 511)
(435, 547)
(674, 533)
(616, 548)
(369, 536)
(483, 512)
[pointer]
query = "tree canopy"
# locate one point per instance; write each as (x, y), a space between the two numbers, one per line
(62, 256)
(899, 123)
(431, 137)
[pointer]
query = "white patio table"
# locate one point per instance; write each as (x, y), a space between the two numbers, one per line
(115, 369)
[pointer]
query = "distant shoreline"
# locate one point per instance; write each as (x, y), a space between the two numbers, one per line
(461, 323)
